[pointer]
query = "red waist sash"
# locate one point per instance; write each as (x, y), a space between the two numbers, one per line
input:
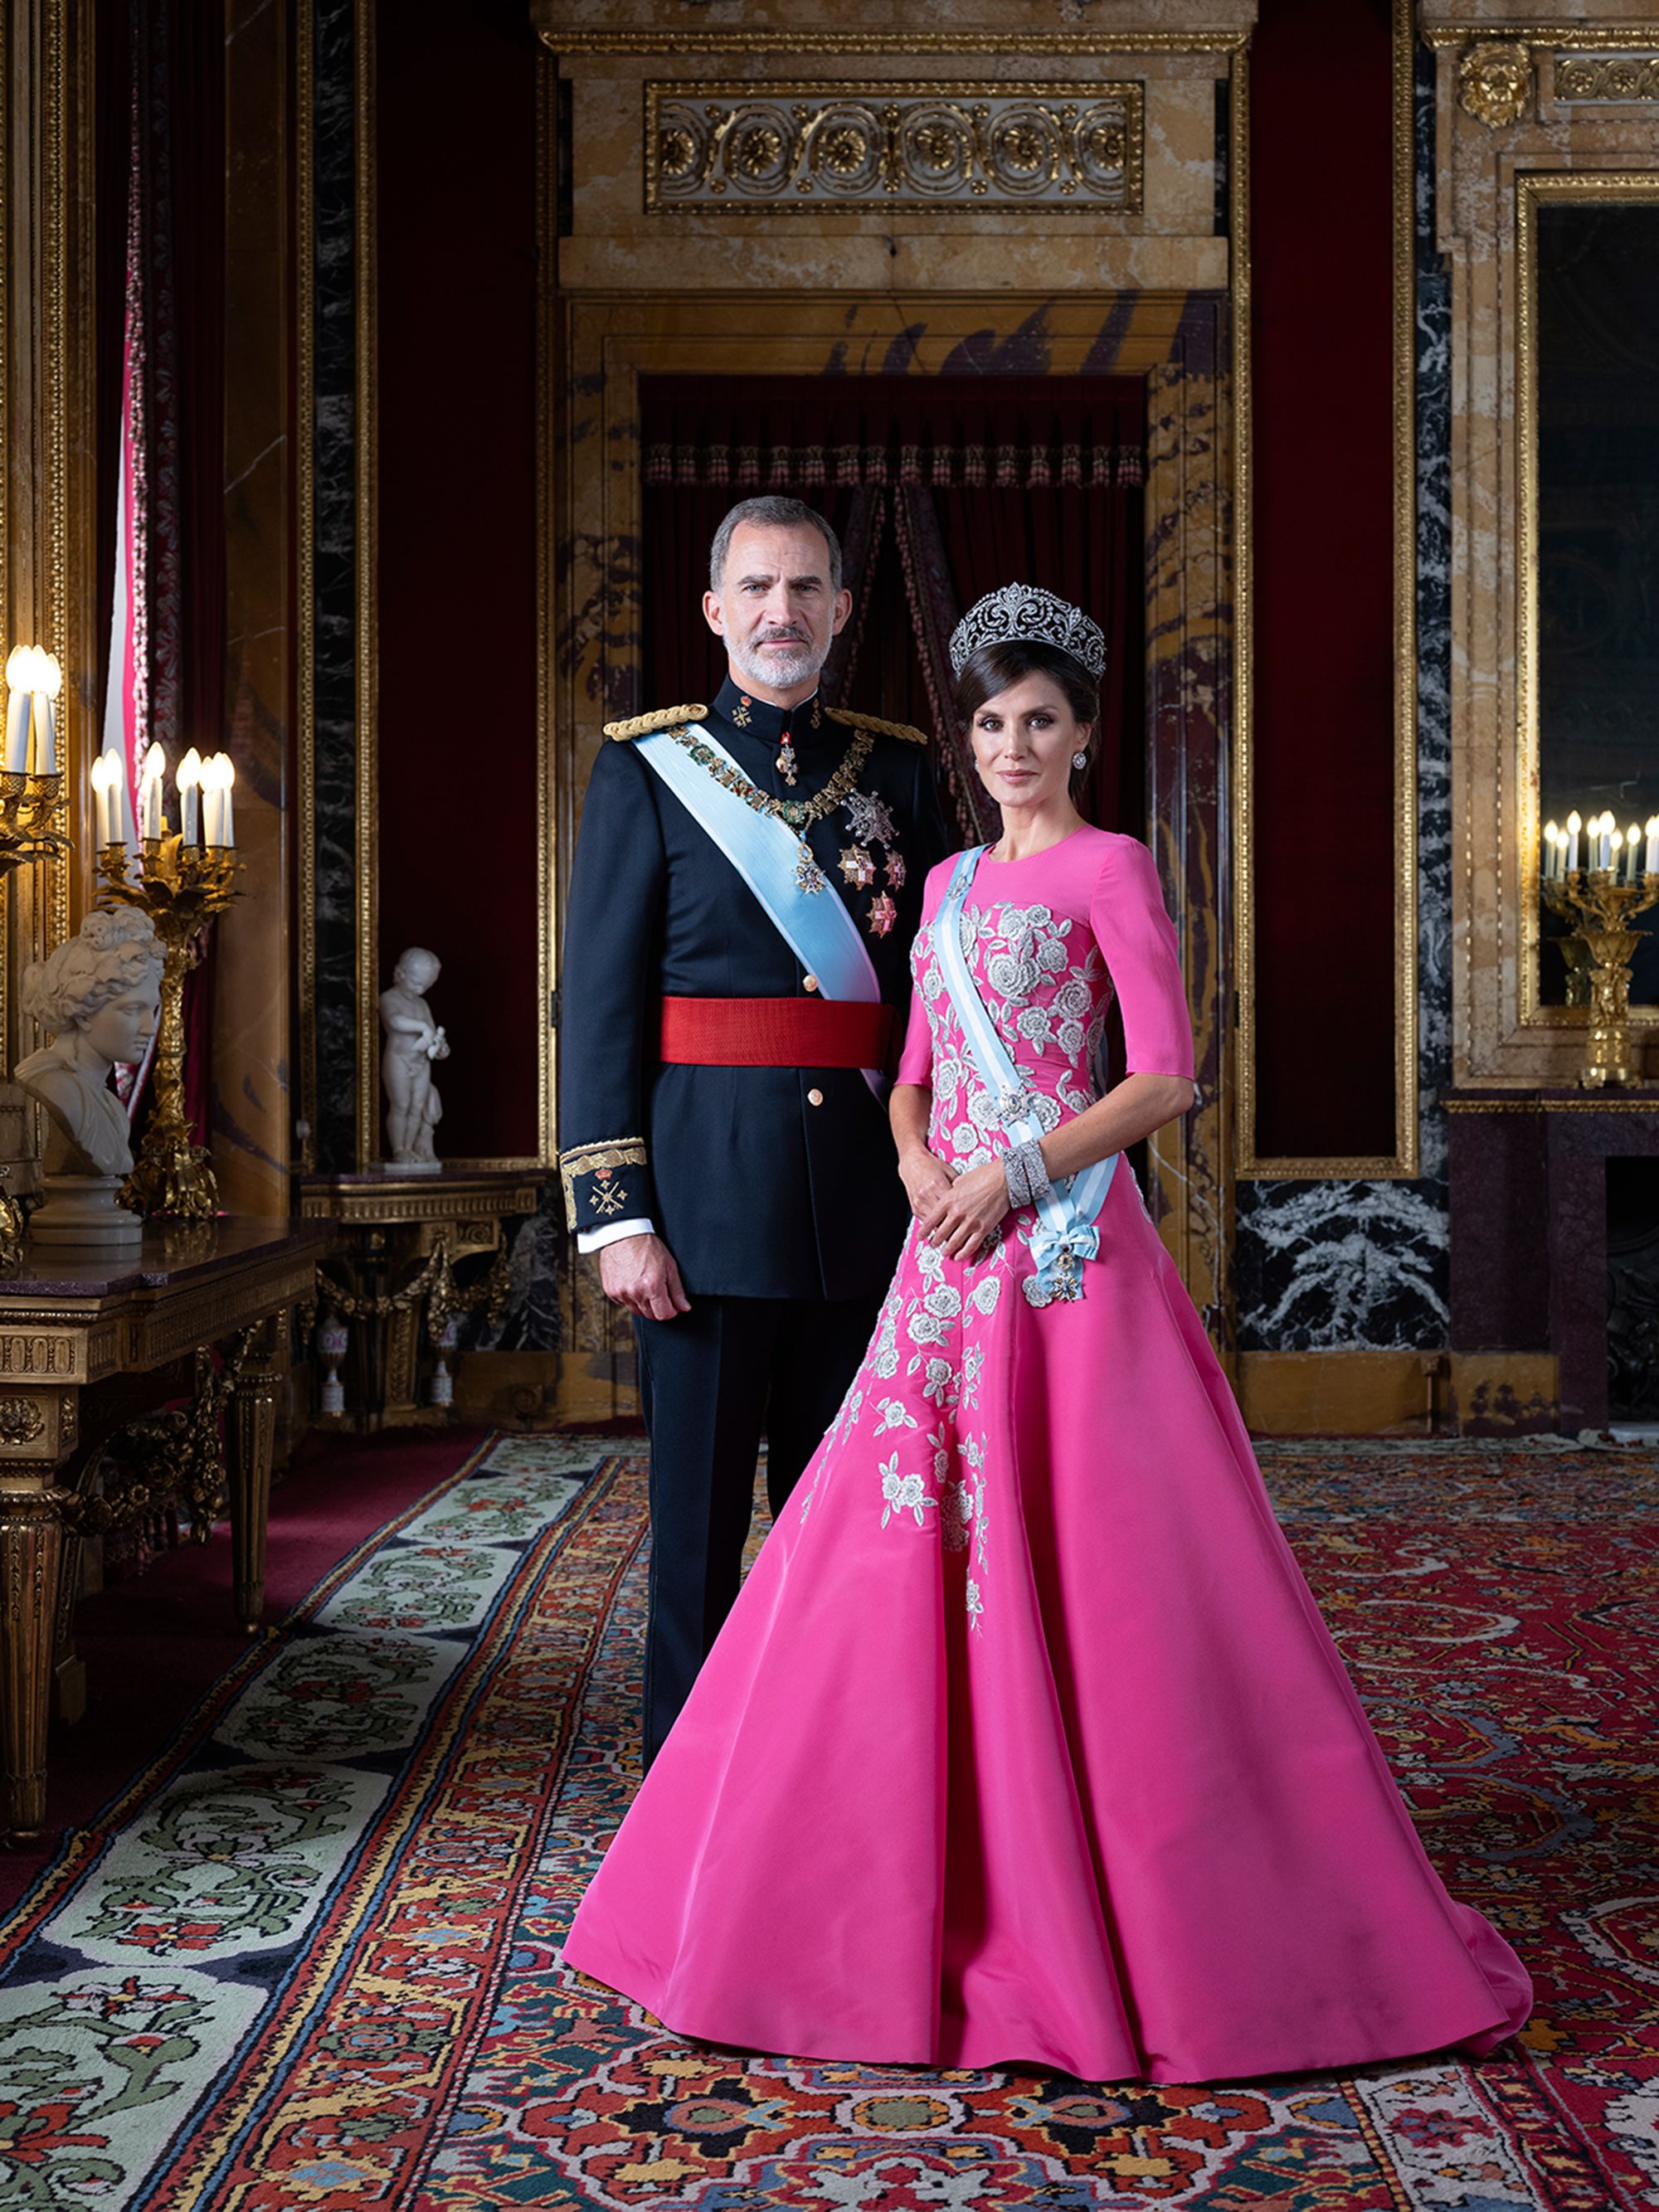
(775, 1033)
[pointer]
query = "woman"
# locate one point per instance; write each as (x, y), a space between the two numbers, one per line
(1025, 1740)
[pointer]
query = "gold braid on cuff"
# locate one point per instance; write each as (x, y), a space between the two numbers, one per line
(589, 1159)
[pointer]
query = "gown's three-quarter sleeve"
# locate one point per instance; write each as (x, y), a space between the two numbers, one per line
(1133, 928)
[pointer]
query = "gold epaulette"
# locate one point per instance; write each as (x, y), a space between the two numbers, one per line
(877, 727)
(641, 726)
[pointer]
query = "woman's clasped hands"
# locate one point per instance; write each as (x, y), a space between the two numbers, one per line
(958, 1211)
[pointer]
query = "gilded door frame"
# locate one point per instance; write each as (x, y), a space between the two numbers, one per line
(596, 348)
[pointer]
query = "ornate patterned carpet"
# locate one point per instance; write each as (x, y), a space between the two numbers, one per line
(311, 1959)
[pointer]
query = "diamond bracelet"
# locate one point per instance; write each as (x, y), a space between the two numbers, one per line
(1028, 1178)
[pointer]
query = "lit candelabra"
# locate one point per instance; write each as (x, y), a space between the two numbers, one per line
(1600, 878)
(31, 789)
(181, 881)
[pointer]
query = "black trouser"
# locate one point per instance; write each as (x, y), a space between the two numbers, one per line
(711, 1380)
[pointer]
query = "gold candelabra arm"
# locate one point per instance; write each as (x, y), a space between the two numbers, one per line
(29, 808)
(181, 887)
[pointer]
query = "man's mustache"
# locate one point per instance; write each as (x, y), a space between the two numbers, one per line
(784, 637)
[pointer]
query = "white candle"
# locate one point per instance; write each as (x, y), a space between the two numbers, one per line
(48, 681)
(226, 778)
(220, 797)
(101, 801)
(1551, 861)
(120, 814)
(149, 793)
(188, 779)
(19, 669)
(213, 800)
(1650, 862)
(1575, 824)
(1603, 843)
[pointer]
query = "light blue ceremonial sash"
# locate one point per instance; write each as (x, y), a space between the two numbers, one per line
(767, 854)
(1065, 1234)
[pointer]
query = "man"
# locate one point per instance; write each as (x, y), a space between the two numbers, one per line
(736, 977)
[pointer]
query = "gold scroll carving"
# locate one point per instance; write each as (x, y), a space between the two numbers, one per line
(865, 148)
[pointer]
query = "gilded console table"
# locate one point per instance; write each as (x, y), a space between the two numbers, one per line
(390, 1227)
(79, 1331)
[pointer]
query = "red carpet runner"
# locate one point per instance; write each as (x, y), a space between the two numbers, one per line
(319, 1964)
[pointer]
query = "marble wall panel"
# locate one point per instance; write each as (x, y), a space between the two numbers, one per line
(252, 1109)
(333, 132)
(1495, 1036)
(780, 22)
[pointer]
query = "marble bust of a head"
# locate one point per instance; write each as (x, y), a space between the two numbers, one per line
(99, 992)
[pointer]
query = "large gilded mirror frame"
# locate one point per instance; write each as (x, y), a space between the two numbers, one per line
(1536, 191)
(46, 488)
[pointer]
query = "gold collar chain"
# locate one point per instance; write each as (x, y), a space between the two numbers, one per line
(799, 813)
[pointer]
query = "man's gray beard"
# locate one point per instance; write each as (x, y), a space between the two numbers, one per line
(783, 671)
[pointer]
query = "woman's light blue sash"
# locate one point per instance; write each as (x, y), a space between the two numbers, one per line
(818, 930)
(1065, 1234)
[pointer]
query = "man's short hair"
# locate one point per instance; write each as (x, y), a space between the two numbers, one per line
(772, 511)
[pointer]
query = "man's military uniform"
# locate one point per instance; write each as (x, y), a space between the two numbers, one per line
(711, 1090)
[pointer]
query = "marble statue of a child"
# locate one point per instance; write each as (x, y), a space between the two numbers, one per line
(413, 1041)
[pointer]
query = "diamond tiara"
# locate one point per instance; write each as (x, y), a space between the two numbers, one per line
(1033, 615)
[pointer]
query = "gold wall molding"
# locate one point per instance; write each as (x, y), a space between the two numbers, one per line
(47, 515)
(1632, 37)
(364, 446)
(1005, 45)
(1402, 1163)
(549, 839)
(1608, 76)
(816, 149)
(305, 524)
(1496, 82)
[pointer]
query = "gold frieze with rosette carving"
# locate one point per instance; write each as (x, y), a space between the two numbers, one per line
(872, 148)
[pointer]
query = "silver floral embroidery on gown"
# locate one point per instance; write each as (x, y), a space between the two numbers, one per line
(918, 1388)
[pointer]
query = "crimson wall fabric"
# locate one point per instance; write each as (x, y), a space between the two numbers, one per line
(1322, 284)
(456, 278)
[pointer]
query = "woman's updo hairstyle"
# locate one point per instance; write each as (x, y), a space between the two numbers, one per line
(991, 668)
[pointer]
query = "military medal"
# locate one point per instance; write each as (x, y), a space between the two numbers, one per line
(785, 760)
(882, 915)
(740, 714)
(868, 819)
(858, 867)
(895, 870)
(809, 876)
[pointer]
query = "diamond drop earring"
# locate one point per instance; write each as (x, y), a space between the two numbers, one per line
(1079, 761)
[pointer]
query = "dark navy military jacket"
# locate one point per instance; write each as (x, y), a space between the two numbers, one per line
(772, 1182)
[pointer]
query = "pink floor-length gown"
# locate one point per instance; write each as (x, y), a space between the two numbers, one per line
(1025, 1739)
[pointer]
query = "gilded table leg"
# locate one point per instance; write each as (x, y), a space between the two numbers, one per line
(31, 1540)
(251, 1442)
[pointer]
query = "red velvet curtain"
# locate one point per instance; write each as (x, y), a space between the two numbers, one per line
(160, 119)
(941, 488)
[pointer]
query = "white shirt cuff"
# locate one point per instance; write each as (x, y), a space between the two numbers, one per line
(593, 1240)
